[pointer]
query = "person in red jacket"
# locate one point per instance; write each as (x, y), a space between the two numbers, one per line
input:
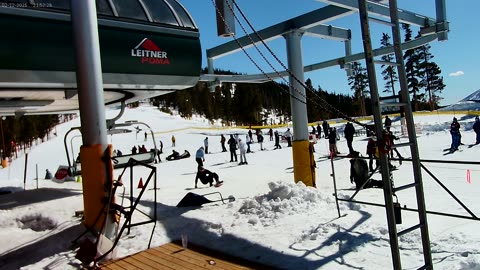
(371, 151)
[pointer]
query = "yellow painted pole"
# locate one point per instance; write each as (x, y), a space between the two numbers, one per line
(303, 163)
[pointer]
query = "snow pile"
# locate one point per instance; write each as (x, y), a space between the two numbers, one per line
(283, 199)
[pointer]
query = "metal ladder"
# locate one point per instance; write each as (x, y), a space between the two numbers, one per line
(404, 102)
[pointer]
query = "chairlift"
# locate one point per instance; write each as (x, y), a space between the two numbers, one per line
(118, 161)
(148, 48)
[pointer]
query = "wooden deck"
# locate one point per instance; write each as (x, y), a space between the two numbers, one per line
(173, 256)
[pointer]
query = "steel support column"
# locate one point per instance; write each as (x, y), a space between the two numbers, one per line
(92, 113)
(301, 158)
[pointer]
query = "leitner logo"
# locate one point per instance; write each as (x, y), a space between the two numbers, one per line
(150, 53)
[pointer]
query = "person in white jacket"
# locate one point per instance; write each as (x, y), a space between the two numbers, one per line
(248, 140)
(243, 149)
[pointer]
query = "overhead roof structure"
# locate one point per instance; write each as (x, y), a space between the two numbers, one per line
(314, 24)
(148, 48)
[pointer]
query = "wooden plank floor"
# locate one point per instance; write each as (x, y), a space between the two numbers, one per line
(173, 256)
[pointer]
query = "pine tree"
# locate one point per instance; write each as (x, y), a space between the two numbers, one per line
(389, 72)
(430, 77)
(412, 70)
(358, 82)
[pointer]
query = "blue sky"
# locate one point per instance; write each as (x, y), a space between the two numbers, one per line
(457, 57)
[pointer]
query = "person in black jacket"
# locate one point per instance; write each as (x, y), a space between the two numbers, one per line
(476, 128)
(206, 177)
(349, 131)
(332, 140)
(388, 123)
(359, 173)
(326, 128)
(232, 143)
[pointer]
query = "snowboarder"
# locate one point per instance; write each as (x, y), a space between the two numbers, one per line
(206, 177)
(200, 156)
(174, 156)
(476, 128)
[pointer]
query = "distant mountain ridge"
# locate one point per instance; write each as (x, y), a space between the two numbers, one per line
(475, 96)
(469, 103)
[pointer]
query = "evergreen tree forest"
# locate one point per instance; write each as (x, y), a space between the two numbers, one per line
(253, 103)
(424, 82)
(22, 132)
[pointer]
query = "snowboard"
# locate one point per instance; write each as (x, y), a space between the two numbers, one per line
(219, 184)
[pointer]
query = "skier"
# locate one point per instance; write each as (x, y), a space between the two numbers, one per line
(249, 141)
(200, 156)
(319, 130)
(391, 138)
(326, 127)
(243, 149)
(48, 174)
(388, 123)
(455, 132)
(371, 151)
(476, 128)
(250, 134)
(277, 140)
(206, 177)
(205, 143)
(332, 140)
(288, 135)
(349, 131)
(260, 140)
(232, 143)
(222, 142)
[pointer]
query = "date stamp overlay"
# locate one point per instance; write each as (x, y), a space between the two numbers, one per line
(25, 5)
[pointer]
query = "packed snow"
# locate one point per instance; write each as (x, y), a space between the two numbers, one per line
(272, 220)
